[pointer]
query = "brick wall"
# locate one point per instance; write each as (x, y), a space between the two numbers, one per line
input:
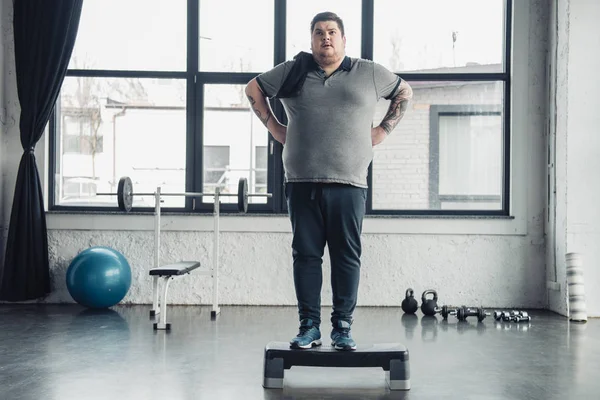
(401, 162)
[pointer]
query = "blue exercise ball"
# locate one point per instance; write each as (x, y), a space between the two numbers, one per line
(98, 277)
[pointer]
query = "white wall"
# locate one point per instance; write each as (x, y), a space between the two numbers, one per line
(494, 262)
(576, 35)
(557, 67)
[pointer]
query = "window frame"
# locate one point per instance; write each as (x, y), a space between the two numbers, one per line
(196, 81)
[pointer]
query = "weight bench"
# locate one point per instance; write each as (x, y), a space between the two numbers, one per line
(392, 357)
(167, 272)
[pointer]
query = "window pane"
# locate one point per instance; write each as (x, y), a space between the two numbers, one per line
(260, 168)
(446, 153)
(237, 43)
(470, 162)
(301, 12)
(131, 35)
(230, 123)
(114, 127)
(216, 164)
(439, 35)
(78, 135)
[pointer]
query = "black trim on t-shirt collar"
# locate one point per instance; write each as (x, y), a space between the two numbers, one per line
(346, 65)
(303, 63)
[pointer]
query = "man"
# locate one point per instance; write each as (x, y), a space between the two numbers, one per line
(330, 100)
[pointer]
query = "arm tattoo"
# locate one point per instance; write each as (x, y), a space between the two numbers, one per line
(396, 109)
(264, 119)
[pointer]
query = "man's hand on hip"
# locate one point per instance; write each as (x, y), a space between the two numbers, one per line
(378, 135)
(279, 132)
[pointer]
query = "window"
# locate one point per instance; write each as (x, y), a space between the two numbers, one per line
(449, 154)
(131, 35)
(236, 43)
(231, 132)
(467, 171)
(449, 145)
(439, 35)
(114, 127)
(167, 107)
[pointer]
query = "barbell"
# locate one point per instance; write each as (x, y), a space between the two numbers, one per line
(125, 194)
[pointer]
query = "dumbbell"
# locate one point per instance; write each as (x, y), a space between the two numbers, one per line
(504, 315)
(463, 312)
(446, 311)
(515, 316)
(522, 317)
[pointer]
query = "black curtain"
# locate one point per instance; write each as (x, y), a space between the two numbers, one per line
(45, 33)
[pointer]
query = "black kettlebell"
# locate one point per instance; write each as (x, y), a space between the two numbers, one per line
(428, 306)
(410, 304)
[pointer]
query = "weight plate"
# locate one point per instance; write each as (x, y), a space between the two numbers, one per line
(480, 314)
(125, 194)
(243, 195)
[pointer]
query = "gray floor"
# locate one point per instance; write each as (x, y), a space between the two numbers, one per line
(66, 352)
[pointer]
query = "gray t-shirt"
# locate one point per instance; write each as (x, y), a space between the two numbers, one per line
(329, 123)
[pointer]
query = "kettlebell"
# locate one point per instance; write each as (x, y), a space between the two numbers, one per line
(409, 304)
(428, 306)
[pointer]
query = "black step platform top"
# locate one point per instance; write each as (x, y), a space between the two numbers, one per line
(371, 355)
(179, 268)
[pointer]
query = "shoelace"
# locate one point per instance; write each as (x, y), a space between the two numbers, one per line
(343, 332)
(303, 330)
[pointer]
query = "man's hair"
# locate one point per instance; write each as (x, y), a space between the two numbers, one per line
(327, 16)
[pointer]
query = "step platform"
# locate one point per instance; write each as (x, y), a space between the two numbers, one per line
(392, 357)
